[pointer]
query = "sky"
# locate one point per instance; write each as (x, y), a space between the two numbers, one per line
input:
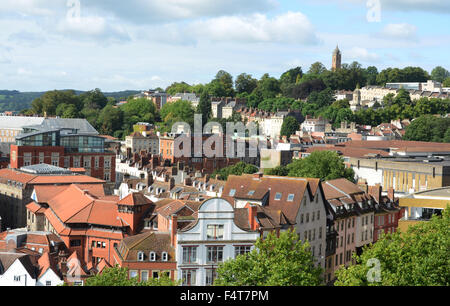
(143, 44)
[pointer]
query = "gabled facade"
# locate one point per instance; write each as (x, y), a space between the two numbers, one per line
(217, 235)
(147, 255)
(300, 201)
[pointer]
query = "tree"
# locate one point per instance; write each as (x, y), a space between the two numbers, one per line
(118, 277)
(178, 111)
(326, 165)
(176, 87)
(48, 103)
(138, 110)
(277, 171)
(289, 78)
(427, 128)
(439, 74)
(238, 169)
(110, 120)
(371, 75)
(268, 87)
(446, 82)
(94, 99)
(204, 107)
(283, 261)
(222, 85)
(317, 68)
(418, 257)
(289, 127)
(245, 83)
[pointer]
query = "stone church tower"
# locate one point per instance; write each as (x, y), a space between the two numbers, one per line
(337, 59)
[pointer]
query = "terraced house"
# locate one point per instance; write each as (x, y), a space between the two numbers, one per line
(295, 203)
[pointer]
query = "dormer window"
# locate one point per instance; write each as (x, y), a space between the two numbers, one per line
(278, 196)
(290, 198)
(152, 256)
(165, 256)
(232, 192)
(141, 256)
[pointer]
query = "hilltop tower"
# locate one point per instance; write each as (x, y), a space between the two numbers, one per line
(337, 59)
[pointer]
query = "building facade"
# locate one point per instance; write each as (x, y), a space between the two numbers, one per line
(214, 238)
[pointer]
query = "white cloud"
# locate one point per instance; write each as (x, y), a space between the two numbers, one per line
(400, 31)
(157, 11)
(361, 54)
(92, 27)
(292, 27)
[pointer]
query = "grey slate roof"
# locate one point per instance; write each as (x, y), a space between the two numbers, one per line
(82, 125)
(18, 122)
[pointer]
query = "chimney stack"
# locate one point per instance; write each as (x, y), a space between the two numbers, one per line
(391, 194)
(252, 211)
(173, 230)
(375, 191)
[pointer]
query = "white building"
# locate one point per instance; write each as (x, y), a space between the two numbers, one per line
(212, 239)
(314, 124)
(16, 270)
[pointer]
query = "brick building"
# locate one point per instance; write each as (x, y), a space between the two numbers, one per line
(16, 189)
(88, 222)
(65, 149)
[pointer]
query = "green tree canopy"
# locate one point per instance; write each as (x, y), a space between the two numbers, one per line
(178, 87)
(418, 257)
(439, 74)
(428, 128)
(245, 83)
(317, 68)
(326, 165)
(118, 277)
(178, 111)
(283, 261)
(289, 127)
(238, 169)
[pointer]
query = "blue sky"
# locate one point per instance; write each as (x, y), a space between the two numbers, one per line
(141, 44)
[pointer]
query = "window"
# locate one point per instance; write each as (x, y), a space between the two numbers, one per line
(155, 274)
(251, 192)
(214, 231)
(278, 196)
(165, 256)
(241, 250)
(189, 254)
(211, 275)
(141, 256)
(152, 256)
(232, 192)
(214, 254)
(307, 217)
(290, 197)
(75, 243)
(320, 233)
(188, 277)
(144, 276)
(48, 283)
(312, 217)
(318, 215)
(301, 219)
(133, 273)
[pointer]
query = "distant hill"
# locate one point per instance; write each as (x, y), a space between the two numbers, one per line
(16, 101)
